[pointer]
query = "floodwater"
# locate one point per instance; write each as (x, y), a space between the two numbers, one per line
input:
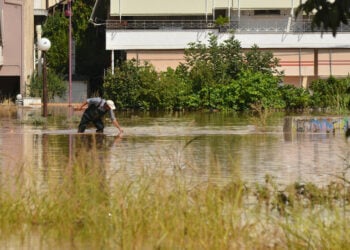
(202, 146)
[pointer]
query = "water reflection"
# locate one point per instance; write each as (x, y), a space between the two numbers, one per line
(202, 146)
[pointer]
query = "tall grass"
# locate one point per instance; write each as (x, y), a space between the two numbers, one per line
(92, 208)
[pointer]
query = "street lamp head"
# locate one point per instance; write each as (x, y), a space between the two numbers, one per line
(44, 44)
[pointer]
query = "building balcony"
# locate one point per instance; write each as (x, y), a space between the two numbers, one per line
(245, 26)
(159, 24)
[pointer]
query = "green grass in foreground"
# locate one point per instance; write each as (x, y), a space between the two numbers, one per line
(87, 210)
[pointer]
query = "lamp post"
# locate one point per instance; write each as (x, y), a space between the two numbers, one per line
(44, 45)
(69, 13)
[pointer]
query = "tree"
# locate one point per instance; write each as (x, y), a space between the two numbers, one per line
(123, 86)
(327, 14)
(91, 57)
(215, 63)
(263, 61)
(56, 30)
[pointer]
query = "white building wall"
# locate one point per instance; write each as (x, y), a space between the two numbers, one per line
(41, 4)
(192, 7)
(266, 4)
(179, 39)
(158, 7)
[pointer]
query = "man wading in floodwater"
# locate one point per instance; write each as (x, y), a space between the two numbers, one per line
(97, 108)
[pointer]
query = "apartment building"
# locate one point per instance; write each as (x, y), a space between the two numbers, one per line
(158, 31)
(19, 22)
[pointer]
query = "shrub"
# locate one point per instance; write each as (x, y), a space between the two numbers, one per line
(294, 97)
(55, 84)
(331, 93)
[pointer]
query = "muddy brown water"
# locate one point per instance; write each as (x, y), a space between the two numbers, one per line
(202, 145)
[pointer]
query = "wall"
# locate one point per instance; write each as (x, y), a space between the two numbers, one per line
(12, 39)
(28, 43)
(160, 59)
(79, 93)
(18, 40)
(296, 51)
(183, 7)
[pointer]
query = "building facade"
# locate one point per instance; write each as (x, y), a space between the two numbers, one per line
(18, 35)
(158, 31)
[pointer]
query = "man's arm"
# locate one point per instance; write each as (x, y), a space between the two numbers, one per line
(92, 101)
(116, 124)
(82, 105)
(115, 121)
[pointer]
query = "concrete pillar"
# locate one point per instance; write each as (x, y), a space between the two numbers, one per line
(38, 35)
(316, 63)
(112, 61)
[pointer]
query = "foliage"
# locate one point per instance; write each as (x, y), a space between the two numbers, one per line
(326, 14)
(220, 20)
(91, 57)
(263, 61)
(331, 93)
(80, 20)
(213, 76)
(215, 63)
(173, 90)
(123, 86)
(142, 87)
(258, 89)
(148, 95)
(222, 97)
(55, 84)
(219, 76)
(56, 30)
(294, 97)
(233, 56)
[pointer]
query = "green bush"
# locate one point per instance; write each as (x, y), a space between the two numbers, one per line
(219, 76)
(294, 97)
(173, 90)
(55, 84)
(142, 87)
(331, 93)
(124, 85)
(220, 21)
(255, 88)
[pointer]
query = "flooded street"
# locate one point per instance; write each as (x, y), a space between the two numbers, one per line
(202, 146)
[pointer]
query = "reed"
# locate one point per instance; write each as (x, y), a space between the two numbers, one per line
(92, 207)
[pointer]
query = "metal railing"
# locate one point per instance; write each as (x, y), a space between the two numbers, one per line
(254, 26)
(159, 24)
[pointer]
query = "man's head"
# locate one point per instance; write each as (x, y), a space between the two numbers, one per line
(110, 104)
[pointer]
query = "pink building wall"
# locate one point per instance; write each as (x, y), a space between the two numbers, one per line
(17, 46)
(12, 39)
(160, 59)
(298, 64)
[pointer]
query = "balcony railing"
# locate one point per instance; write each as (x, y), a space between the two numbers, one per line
(159, 24)
(254, 26)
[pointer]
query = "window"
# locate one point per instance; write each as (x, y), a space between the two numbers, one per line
(220, 12)
(266, 12)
